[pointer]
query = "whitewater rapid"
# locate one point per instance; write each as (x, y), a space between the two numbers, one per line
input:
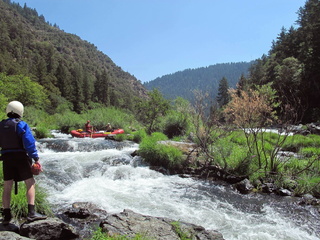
(103, 172)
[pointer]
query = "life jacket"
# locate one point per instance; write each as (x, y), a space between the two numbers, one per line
(9, 139)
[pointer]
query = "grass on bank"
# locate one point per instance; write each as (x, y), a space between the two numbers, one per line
(99, 235)
(160, 154)
(19, 204)
(299, 173)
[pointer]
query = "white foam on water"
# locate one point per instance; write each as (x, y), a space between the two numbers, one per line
(107, 179)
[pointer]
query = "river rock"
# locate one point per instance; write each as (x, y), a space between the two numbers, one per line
(51, 228)
(284, 192)
(11, 236)
(84, 217)
(85, 210)
(268, 187)
(130, 223)
(9, 227)
(244, 186)
(308, 199)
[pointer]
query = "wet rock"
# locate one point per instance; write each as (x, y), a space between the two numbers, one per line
(300, 129)
(11, 236)
(314, 128)
(91, 208)
(10, 227)
(268, 187)
(284, 192)
(244, 186)
(84, 217)
(160, 169)
(51, 228)
(135, 153)
(185, 147)
(78, 213)
(130, 223)
(308, 199)
(229, 178)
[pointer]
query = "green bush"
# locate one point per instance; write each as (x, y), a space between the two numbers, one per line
(310, 151)
(295, 165)
(297, 142)
(160, 154)
(307, 184)
(238, 137)
(120, 137)
(138, 135)
(175, 125)
(42, 132)
(147, 148)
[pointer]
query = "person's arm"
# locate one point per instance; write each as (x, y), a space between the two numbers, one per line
(28, 140)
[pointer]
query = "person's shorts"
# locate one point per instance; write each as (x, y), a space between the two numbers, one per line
(16, 166)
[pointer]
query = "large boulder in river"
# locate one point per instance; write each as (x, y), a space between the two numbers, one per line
(51, 228)
(130, 223)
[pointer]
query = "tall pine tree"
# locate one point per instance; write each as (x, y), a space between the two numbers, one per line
(223, 96)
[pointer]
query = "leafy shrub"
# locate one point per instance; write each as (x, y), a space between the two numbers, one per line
(148, 146)
(256, 177)
(160, 154)
(310, 151)
(175, 125)
(296, 142)
(42, 132)
(69, 121)
(120, 137)
(138, 135)
(307, 184)
(295, 165)
(238, 137)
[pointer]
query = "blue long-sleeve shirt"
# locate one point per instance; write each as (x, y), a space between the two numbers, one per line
(29, 143)
(28, 140)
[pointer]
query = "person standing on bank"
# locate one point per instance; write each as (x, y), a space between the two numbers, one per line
(17, 151)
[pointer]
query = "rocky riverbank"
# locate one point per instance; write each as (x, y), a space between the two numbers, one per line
(82, 219)
(239, 183)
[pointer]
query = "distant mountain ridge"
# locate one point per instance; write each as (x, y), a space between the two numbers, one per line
(206, 79)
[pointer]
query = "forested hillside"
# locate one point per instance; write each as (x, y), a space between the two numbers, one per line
(205, 79)
(293, 65)
(70, 71)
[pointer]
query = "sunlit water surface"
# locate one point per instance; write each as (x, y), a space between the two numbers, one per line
(104, 172)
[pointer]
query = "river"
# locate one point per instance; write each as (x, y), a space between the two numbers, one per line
(104, 173)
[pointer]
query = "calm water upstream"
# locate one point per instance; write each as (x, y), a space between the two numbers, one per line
(103, 172)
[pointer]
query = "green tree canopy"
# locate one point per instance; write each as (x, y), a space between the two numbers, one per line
(23, 89)
(293, 65)
(151, 110)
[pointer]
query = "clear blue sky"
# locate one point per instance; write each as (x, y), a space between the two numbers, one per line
(152, 38)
